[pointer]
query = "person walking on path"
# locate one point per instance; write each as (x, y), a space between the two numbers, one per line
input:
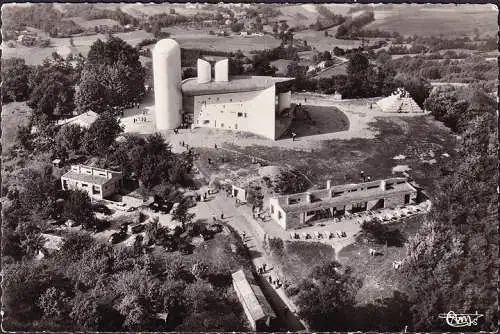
(293, 136)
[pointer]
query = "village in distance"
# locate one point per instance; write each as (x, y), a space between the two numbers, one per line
(241, 167)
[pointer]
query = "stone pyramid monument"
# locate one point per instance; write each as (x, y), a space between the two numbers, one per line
(399, 102)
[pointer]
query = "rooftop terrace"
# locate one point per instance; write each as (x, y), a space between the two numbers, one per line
(344, 194)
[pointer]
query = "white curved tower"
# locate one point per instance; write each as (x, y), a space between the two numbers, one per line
(204, 71)
(167, 81)
(222, 70)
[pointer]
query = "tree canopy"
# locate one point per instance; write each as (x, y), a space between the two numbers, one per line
(101, 134)
(113, 76)
(456, 249)
(15, 84)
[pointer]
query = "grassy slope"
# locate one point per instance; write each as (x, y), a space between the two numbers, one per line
(342, 160)
(13, 114)
(378, 276)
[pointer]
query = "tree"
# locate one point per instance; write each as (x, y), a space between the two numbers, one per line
(327, 293)
(199, 270)
(360, 77)
(135, 310)
(37, 190)
(262, 66)
(54, 303)
(101, 134)
(93, 93)
(52, 89)
(78, 208)
(116, 64)
(69, 138)
(181, 213)
(296, 71)
(418, 88)
(326, 56)
(15, 74)
(255, 197)
(237, 26)
(85, 312)
(460, 229)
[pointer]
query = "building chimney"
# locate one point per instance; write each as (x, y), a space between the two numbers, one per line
(222, 70)
(204, 71)
(328, 184)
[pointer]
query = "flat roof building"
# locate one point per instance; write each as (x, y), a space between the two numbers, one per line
(84, 120)
(291, 211)
(259, 313)
(97, 182)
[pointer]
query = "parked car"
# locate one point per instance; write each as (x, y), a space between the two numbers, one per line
(72, 223)
(137, 228)
(217, 228)
(117, 237)
(132, 208)
(154, 206)
(101, 208)
(185, 248)
(100, 225)
(163, 209)
(124, 226)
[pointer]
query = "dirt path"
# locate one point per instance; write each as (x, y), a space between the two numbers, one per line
(252, 236)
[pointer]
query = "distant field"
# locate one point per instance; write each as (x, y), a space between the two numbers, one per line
(35, 56)
(86, 24)
(318, 40)
(231, 43)
(337, 70)
(449, 21)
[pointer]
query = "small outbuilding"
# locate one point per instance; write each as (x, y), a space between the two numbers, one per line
(259, 313)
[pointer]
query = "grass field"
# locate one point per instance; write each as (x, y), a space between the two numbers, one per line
(13, 114)
(448, 20)
(300, 257)
(376, 272)
(318, 40)
(332, 120)
(417, 138)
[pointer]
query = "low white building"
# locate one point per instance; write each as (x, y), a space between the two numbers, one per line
(97, 182)
(259, 313)
(241, 103)
(84, 120)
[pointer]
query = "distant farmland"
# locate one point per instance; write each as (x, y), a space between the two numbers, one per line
(449, 20)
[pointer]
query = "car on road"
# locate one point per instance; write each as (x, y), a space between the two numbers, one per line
(124, 226)
(137, 228)
(101, 208)
(117, 237)
(185, 248)
(132, 208)
(164, 210)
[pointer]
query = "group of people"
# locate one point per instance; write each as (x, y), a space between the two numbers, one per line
(276, 282)
(140, 119)
(364, 177)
